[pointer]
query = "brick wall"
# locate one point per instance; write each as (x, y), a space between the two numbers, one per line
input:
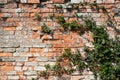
(24, 49)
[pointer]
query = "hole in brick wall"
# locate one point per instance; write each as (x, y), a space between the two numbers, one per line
(44, 0)
(1, 5)
(4, 18)
(67, 1)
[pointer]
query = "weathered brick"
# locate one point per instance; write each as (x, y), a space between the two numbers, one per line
(22, 49)
(3, 1)
(13, 77)
(30, 73)
(9, 28)
(24, 68)
(11, 73)
(23, 1)
(31, 64)
(30, 77)
(7, 68)
(40, 45)
(17, 68)
(58, 1)
(21, 59)
(22, 54)
(5, 54)
(19, 64)
(5, 15)
(108, 1)
(13, 44)
(99, 1)
(77, 78)
(9, 50)
(42, 59)
(7, 59)
(76, 1)
(33, 1)
(39, 68)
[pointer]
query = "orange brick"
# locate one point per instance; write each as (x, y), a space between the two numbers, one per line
(2, 63)
(3, 78)
(7, 68)
(108, 1)
(50, 24)
(8, 63)
(36, 36)
(20, 73)
(5, 54)
(9, 28)
(47, 10)
(81, 45)
(31, 59)
(34, 10)
(12, 20)
(59, 45)
(58, 1)
(35, 50)
(33, 1)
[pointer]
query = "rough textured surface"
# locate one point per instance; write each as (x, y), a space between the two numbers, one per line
(24, 49)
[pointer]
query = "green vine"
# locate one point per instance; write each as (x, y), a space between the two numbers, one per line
(103, 60)
(45, 29)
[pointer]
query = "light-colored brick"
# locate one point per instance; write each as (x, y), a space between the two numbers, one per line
(33, 1)
(13, 77)
(42, 59)
(9, 50)
(30, 73)
(39, 68)
(3, 1)
(11, 73)
(30, 77)
(31, 64)
(22, 54)
(23, 1)
(21, 59)
(17, 68)
(76, 1)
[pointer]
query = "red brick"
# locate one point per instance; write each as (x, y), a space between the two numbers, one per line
(33, 1)
(58, 1)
